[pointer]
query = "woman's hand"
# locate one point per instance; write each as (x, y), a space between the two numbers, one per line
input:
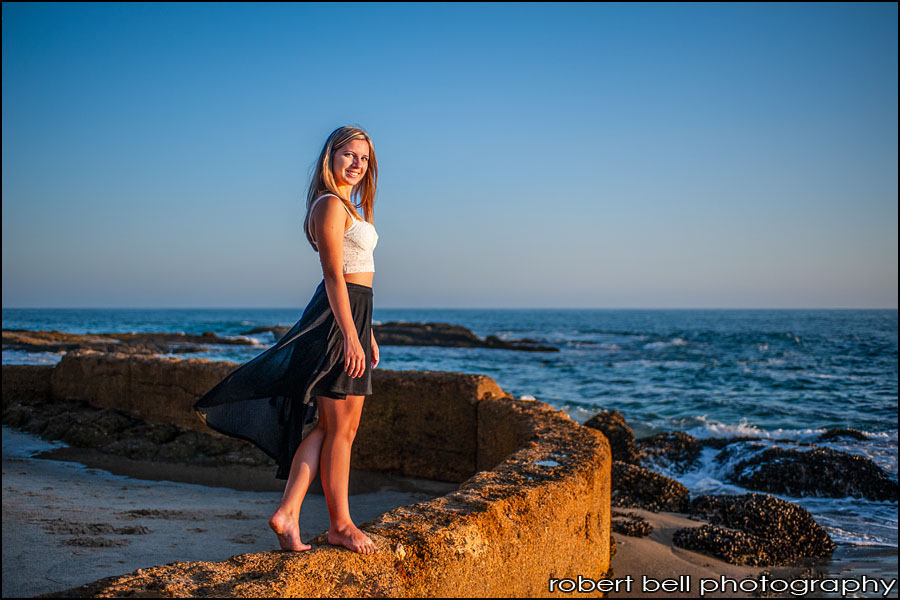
(374, 352)
(354, 356)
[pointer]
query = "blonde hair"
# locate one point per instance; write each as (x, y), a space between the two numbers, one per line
(322, 181)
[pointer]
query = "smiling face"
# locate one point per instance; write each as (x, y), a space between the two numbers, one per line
(350, 162)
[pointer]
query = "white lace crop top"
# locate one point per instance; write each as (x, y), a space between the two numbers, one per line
(359, 242)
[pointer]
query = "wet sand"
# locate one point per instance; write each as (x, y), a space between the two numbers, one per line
(655, 557)
(65, 524)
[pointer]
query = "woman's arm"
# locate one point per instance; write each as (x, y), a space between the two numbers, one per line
(328, 220)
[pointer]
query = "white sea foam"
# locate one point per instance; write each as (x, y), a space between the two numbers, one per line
(713, 428)
(657, 345)
(848, 520)
(23, 357)
(820, 375)
(880, 447)
(243, 338)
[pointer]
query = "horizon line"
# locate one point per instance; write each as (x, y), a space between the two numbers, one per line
(446, 308)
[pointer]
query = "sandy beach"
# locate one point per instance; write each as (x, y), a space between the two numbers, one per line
(655, 557)
(65, 524)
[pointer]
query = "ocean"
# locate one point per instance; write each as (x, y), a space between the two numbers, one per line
(775, 374)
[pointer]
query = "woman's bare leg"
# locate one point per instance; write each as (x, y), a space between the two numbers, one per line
(285, 522)
(341, 422)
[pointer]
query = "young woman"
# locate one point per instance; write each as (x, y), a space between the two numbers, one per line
(300, 401)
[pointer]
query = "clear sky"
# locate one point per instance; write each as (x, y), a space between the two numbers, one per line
(531, 155)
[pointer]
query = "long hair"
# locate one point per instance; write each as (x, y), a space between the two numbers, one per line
(322, 181)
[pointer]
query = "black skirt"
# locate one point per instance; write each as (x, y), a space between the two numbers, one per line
(271, 400)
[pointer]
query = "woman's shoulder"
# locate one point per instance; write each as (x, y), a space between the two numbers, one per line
(326, 199)
(332, 203)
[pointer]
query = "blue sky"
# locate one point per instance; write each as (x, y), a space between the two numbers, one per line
(531, 155)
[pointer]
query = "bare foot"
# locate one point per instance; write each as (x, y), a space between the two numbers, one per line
(353, 538)
(288, 531)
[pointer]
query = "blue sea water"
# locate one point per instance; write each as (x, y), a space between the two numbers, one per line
(776, 374)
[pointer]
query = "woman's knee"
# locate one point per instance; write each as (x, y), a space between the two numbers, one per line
(344, 432)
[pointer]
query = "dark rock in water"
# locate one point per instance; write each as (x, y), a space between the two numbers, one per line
(388, 334)
(832, 434)
(396, 333)
(258, 330)
(277, 330)
(676, 449)
(755, 530)
(84, 426)
(127, 343)
(817, 472)
(612, 424)
(764, 515)
(631, 524)
(735, 547)
(637, 487)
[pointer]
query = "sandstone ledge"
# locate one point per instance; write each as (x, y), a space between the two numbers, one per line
(534, 501)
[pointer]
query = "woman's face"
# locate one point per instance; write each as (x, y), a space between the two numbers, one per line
(350, 162)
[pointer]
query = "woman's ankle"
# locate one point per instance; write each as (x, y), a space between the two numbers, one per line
(342, 525)
(287, 512)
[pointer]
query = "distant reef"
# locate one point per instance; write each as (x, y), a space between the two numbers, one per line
(397, 333)
(393, 333)
(127, 343)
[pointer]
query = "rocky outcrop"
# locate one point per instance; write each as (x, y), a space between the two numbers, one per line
(388, 334)
(680, 451)
(754, 529)
(815, 472)
(846, 432)
(612, 424)
(152, 388)
(676, 450)
(111, 431)
(125, 343)
(638, 487)
(515, 459)
(803, 470)
(395, 333)
(629, 523)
